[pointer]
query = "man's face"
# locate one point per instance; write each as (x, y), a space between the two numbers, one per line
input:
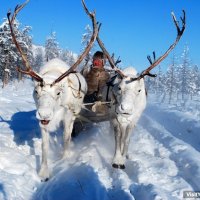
(98, 62)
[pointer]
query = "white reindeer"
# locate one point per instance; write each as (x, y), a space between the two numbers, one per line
(58, 104)
(128, 98)
(129, 101)
(58, 93)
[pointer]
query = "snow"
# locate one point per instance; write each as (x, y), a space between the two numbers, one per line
(164, 155)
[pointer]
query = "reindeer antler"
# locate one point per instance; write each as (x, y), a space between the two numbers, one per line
(110, 60)
(161, 58)
(28, 70)
(87, 49)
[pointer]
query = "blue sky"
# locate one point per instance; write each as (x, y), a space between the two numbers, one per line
(131, 29)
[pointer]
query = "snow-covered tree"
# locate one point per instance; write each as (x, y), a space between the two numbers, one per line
(170, 81)
(183, 74)
(6, 51)
(159, 86)
(84, 43)
(38, 60)
(155, 84)
(27, 41)
(68, 57)
(10, 58)
(194, 81)
(26, 45)
(52, 49)
(198, 79)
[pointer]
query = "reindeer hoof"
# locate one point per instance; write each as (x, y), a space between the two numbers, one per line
(44, 180)
(118, 166)
(44, 174)
(115, 165)
(122, 166)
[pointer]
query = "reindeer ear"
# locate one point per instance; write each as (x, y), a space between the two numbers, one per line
(73, 81)
(141, 82)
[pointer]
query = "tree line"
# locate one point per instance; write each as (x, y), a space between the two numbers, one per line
(180, 82)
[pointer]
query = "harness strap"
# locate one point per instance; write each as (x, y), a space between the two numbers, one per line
(79, 89)
(109, 85)
(107, 93)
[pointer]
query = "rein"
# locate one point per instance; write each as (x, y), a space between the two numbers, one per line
(79, 88)
(102, 102)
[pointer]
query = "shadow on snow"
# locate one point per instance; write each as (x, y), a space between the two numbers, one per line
(25, 127)
(78, 183)
(2, 192)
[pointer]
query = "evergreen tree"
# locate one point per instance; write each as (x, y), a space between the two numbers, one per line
(194, 81)
(10, 58)
(170, 81)
(183, 72)
(52, 49)
(38, 60)
(68, 57)
(85, 41)
(198, 79)
(159, 87)
(26, 45)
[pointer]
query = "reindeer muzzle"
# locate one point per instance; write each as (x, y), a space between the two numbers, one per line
(44, 122)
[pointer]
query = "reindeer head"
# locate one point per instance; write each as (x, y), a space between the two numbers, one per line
(55, 77)
(128, 94)
(48, 98)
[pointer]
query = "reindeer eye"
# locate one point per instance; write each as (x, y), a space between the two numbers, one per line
(139, 90)
(119, 88)
(58, 93)
(36, 92)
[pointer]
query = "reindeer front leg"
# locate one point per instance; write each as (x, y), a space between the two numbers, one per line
(68, 126)
(126, 140)
(44, 171)
(118, 160)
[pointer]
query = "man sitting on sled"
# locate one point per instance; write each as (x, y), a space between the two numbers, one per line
(96, 78)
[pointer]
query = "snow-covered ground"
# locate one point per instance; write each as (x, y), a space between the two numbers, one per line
(164, 155)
